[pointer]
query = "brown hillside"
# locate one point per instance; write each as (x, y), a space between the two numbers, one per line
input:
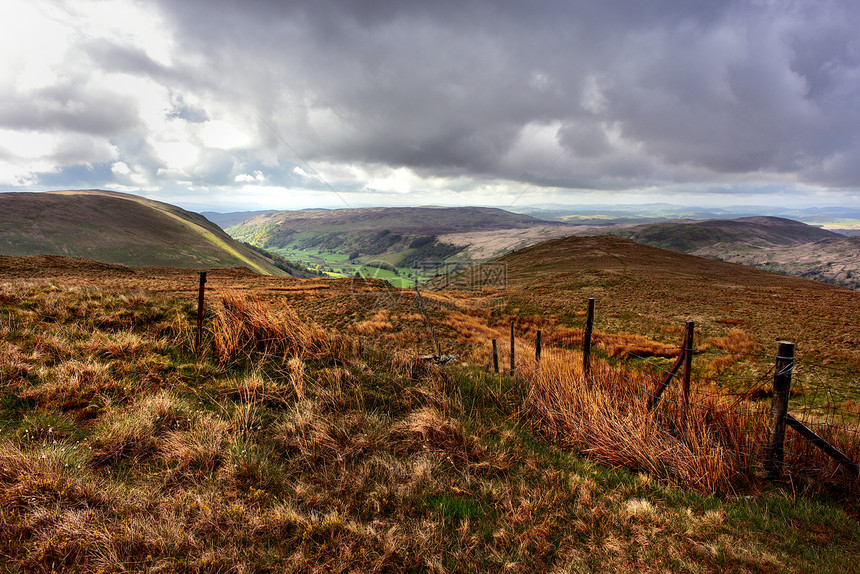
(651, 291)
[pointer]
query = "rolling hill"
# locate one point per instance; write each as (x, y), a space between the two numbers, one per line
(401, 241)
(652, 292)
(772, 243)
(119, 228)
(689, 236)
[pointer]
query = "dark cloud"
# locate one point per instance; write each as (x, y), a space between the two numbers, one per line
(606, 95)
(734, 88)
(70, 105)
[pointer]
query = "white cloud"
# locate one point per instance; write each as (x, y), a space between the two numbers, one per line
(226, 135)
(257, 176)
(120, 168)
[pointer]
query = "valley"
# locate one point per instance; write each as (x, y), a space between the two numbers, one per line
(400, 245)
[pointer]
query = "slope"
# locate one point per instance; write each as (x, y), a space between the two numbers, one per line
(118, 228)
(315, 450)
(652, 292)
(404, 242)
(771, 243)
(748, 232)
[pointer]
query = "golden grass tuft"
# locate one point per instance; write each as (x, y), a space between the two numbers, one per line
(379, 323)
(428, 430)
(247, 329)
(123, 346)
(736, 341)
(307, 433)
(623, 345)
(606, 417)
(77, 385)
(197, 451)
(135, 432)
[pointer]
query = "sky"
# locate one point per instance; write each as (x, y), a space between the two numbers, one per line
(265, 104)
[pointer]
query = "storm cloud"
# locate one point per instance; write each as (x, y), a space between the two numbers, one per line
(464, 100)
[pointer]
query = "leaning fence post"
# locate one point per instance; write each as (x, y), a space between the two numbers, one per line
(775, 449)
(429, 324)
(495, 357)
(513, 363)
(537, 346)
(198, 338)
(586, 339)
(688, 367)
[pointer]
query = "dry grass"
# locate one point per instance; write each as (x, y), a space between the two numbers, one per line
(736, 341)
(297, 450)
(719, 448)
(624, 345)
(379, 323)
(247, 329)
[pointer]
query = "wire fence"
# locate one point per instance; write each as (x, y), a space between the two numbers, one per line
(738, 407)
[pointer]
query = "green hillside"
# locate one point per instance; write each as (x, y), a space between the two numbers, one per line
(398, 244)
(119, 228)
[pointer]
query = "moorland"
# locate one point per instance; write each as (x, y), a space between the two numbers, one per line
(311, 432)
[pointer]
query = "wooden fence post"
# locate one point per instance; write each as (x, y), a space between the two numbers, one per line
(429, 324)
(775, 449)
(537, 346)
(495, 357)
(198, 338)
(586, 340)
(688, 367)
(513, 363)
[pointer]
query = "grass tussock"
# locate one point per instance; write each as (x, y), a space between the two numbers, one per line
(736, 341)
(624, 345)
(75, 385)
(379, 323)
(248, 329)
(606, 417)
(718, 445)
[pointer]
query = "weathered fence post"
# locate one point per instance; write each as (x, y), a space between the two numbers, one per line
(775, 449)
(686, 344)
(537, 346)
(198, 338)
(513, 363)
(688, 367)
(586, 339)
(495, 357)
(429, 324)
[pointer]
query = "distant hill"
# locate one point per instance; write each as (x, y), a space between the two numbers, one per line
(345, 241)
(844, 219)
(225, 220)
(406, 220)
(119, 228)
(771, 243)
(688, 236)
